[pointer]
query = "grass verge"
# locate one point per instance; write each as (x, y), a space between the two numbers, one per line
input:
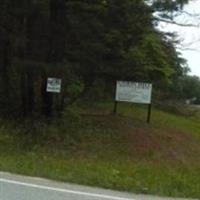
(119, 152)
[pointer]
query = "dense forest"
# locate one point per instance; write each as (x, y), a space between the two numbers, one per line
(88, 44)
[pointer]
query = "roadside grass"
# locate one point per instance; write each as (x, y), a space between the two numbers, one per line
(91, 146)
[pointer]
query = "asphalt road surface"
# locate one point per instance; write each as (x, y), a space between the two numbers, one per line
(15, 187)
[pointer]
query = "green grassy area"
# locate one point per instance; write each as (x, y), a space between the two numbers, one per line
(94, 147)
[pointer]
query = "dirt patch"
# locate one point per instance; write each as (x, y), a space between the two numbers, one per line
(158, 145)
(117, 137)
(143, 143)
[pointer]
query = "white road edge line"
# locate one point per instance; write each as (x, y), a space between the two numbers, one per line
(63, 190)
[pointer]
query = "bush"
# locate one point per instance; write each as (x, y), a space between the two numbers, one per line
(177, 107)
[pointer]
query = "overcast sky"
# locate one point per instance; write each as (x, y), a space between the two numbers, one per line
(189, 36)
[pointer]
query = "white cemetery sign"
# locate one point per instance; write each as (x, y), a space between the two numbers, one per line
(54, 85)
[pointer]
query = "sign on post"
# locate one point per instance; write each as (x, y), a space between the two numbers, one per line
(135, 92)
(54, 85)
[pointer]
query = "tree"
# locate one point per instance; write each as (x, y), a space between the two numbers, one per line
(190, 88)
(81, 42)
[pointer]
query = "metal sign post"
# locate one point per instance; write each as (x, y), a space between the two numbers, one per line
(149, 113)
(115, 102)
(115, 107)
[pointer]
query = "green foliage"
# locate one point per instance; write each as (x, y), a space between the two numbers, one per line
(157, 64)
(81, 42)
(168, 5)
(177, 107)
(190, 88)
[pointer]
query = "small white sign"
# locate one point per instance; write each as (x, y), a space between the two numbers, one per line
(133, 92)
(54, 85)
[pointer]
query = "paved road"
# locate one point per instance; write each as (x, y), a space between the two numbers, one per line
(14, 187)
